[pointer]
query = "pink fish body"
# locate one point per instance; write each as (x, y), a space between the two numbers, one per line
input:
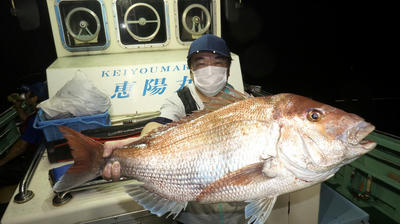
(251, 150)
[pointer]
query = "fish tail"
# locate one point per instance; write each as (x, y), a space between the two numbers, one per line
(88, 160)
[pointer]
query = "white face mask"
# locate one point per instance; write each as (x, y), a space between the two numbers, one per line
(210, 80)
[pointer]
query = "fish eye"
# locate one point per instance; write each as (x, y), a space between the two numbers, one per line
(314, 115)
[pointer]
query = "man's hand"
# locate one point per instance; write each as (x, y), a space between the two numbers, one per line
(113, 171)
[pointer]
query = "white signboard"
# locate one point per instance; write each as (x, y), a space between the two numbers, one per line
(134, 88)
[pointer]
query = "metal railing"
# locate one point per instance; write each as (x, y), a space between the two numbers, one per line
(24, 194)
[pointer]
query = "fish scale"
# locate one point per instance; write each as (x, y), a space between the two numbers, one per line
(205, 148)
(248, 149)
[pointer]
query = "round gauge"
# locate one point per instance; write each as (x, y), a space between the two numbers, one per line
(196, 19)
(82, 24)
(132, 17)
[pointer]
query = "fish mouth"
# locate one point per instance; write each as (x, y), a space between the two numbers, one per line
(356, 136)
(367, 144)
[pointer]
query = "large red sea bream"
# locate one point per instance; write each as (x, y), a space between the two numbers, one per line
(252, 150)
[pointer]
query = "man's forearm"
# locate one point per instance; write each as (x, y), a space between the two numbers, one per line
(17, 149)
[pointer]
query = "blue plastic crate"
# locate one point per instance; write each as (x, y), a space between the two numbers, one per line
(51, 132)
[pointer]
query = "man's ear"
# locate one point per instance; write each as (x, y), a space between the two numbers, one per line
(191, 74)
(33, 100)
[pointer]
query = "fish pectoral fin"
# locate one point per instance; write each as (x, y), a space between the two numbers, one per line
(270, 168)
(259, 210)
(248, 175)
(153, 202)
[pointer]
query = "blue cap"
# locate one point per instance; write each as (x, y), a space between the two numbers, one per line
(209, 42)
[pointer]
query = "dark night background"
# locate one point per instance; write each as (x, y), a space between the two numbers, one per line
(335, 52)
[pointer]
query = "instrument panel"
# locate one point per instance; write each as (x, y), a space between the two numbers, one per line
(99, 26)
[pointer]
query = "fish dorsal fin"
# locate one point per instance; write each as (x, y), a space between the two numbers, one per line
(221, 100)
(225, 98)
(259, 210)
(153, 202)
